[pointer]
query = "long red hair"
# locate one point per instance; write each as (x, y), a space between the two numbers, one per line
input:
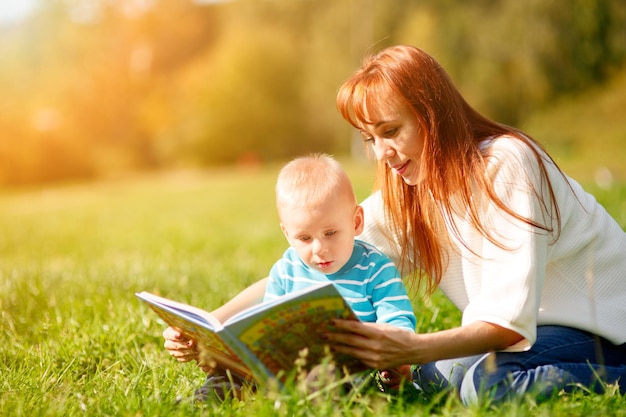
(452, 161)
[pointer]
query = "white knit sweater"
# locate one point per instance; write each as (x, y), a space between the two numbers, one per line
(579, 280)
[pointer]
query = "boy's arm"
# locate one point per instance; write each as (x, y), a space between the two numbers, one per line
(184, 350)
(392, 303)
(250, 296)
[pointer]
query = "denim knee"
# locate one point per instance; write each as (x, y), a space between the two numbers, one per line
(443, 375)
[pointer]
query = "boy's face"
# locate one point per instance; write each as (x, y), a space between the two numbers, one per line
(323, 234)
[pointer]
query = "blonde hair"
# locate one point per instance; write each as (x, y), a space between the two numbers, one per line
(452, 162)
(308, 180)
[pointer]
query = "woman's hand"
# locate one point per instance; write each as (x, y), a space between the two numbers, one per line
(377, 345)
(383, 346)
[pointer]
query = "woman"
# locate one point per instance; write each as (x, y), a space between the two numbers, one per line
(479, 210)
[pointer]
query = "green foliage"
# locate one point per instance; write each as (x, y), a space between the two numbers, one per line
(102, 87)
(585, 132)
(255, 74)
(509, 57)
(75, 341)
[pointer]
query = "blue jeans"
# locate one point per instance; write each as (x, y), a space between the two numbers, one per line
(562, 358)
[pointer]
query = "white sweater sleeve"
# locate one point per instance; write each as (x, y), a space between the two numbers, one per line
(506, 289)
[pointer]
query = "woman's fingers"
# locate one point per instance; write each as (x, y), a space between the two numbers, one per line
(355, 334)
(353, 326)
(358, 340)
(378, 346)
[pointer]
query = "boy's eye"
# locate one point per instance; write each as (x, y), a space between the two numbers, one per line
(330, 233)
(304, 238)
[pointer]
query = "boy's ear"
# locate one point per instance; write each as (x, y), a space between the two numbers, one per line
(359, 220)
(282, 227)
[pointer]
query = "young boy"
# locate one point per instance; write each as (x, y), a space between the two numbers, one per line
(320, 218)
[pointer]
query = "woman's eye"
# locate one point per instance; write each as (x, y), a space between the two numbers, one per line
(366, 136)
(391, 132)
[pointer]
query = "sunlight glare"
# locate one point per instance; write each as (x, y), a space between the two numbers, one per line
(12, 11)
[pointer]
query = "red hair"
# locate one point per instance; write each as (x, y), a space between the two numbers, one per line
(451, 163)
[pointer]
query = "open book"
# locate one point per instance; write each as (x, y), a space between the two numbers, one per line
(264, 341)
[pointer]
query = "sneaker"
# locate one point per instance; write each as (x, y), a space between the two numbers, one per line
(219, 387)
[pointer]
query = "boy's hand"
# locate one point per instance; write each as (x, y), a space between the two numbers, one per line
(392, 378)
(184, 349)
(180, 346)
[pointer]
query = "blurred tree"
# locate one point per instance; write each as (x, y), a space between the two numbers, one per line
(268, 87)
(511, 57)
(81, 71)
(241, 99)
(98, 86)
(35, 76)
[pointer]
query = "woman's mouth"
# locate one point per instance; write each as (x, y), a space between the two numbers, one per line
(401, 168)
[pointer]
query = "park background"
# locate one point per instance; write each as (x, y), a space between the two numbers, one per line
(139, 145)
(101, 88)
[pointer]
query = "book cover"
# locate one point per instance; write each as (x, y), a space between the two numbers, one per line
(206, 330)
(265, 340)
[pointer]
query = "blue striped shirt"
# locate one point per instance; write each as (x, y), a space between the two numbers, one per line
(369, 281)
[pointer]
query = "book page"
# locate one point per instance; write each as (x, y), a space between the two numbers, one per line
(278, 334)
(182, 309)
(200, 326)
(326, 288)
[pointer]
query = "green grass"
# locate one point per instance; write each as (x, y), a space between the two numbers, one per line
(75, 341)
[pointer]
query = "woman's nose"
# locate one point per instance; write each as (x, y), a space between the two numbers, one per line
(382, 150)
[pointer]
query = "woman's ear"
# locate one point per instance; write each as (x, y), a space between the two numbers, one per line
(359, 220)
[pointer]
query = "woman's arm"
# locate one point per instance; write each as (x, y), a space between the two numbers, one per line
(382, 346)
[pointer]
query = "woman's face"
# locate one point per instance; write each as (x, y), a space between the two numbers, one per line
(396, 138)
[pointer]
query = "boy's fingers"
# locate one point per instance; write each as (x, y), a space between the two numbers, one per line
(172, 333)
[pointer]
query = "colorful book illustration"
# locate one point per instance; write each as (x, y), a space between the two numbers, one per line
(264, 341)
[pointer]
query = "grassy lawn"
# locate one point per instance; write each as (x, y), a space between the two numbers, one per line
(75, 341)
